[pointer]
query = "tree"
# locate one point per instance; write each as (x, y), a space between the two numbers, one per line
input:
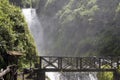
(24, 3)
(14, 32)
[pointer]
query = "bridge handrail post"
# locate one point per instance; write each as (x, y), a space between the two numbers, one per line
(99, 63)
(111, 61)
(118, 58)
(80, 63)
(59, 62)
(77, 62)
(40, 62)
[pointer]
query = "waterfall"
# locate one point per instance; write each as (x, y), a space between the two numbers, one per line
(36, 30)
(34, 27)
(72, 76)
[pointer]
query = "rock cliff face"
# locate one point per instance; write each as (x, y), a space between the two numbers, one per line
(79, 27)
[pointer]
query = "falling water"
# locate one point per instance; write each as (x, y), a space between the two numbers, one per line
(72, 76)
(37, 32)
(35, 27)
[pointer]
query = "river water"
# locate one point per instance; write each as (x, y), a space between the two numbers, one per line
(36, 30)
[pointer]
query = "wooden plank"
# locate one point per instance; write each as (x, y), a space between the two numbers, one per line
(78, 70)
(40, 62)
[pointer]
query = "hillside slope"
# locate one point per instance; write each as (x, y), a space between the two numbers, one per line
(80, 27)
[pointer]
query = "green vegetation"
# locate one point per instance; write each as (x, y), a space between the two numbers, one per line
(111, 40)
(81, 28)
(78, 27)
(14, 33)
(83, 8)
(105, 76)
(24, 3)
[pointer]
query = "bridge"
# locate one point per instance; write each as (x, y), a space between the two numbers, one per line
(78, 64)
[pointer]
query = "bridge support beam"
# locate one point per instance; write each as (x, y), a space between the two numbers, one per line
(40, 75)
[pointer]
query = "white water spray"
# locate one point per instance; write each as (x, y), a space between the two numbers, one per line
(72, 76)
(35, 27)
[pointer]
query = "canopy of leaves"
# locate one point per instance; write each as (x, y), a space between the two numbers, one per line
(24, 3)
(14, 32)
(81, 27)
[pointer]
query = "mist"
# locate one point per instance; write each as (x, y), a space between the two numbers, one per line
(74, 28)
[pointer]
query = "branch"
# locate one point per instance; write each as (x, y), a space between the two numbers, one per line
(7, 70)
